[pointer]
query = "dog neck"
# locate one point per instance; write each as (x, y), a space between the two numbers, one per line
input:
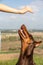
(25, 60)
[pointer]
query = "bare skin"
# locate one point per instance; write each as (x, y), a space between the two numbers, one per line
(8, 9)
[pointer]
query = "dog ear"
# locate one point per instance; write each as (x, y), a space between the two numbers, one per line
(37, 43)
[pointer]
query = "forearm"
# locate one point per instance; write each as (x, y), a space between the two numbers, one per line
(8, 9)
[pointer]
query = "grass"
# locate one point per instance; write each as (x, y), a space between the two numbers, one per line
(2, 52)
(10, 62)
(14, 44)
(11, 41)
(37, 58)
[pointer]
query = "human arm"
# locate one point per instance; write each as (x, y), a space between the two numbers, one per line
(8, 9)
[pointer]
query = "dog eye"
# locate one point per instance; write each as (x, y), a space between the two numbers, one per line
(28, 43)
(31, 42)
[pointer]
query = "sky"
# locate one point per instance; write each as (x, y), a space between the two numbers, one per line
(14, 21)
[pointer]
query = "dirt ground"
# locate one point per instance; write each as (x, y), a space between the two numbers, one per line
(16, 55)
(8, 56)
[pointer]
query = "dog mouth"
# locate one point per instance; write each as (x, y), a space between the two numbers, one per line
(21, 30)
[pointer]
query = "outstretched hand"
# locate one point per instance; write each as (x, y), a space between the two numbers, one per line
(8, 9)
(28, 9)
